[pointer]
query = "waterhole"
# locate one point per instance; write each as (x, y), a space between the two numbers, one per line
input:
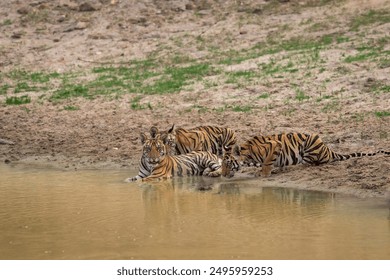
(92, 214)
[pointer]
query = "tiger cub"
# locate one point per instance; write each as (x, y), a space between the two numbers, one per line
(252, 153)
(214, 139)
(155, 163)
(281, 150)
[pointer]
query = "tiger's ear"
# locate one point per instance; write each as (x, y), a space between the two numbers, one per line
(236, 150)
(170, 130)
(153, 131)
(164, 137)
(143, 137)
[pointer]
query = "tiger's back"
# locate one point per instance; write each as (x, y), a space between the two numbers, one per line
(217, 138)
(202, 138)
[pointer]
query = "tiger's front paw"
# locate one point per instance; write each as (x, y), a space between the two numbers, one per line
(214, 174)
(132, 179)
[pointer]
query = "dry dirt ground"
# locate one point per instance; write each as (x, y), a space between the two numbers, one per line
(255, 66)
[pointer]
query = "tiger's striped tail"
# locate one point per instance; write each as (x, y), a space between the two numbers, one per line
(340, 157)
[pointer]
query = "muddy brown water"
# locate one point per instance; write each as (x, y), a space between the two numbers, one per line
(92, 214)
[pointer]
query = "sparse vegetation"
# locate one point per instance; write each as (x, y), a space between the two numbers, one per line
(244, 109)
(381, 114)
(300, 95)
(6, 22)
(4, 89)
(14, 100)
(136, 105)
(369, 18)
(69, 91)
(71, 108)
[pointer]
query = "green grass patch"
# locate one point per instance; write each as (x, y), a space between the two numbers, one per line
(381, 114)
(369, 18)
(300, 95)
(36, 77)
(378, 87)
(23, 87)
(69, 91)
(199, 108)
(147, 77)
(4, 89)
(325, 97)
(342, 39)
(244, 109)
(40, 77)
(14, 100)
(271, 46)
(361, 56)
(240, 76)
(332, 106)
(71, 108)
(6, 22)
(273, 67)
(136, 105)
(175, 78)
(263, 96)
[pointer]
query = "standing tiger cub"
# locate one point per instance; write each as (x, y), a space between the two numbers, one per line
(155, 163)
(213, 139)
(281, 150)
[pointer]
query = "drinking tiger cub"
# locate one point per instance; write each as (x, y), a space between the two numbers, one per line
(155, 163)
(281, 150)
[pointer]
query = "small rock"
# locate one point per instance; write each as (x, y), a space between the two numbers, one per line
(23, 10)
(138, 20)
(189, 6)
(75, 26)
(100, 36)
(16, 35)
(87, 7)
(61, 18)
(204, 188)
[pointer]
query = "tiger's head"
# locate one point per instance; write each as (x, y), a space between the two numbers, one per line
(169, 139)
(153, 150)
(229, 163)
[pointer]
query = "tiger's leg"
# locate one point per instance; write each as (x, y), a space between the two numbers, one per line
(216, 173)
(213, 170)
(141, 175)
(132, 179)
(156, 177)
(270, 160)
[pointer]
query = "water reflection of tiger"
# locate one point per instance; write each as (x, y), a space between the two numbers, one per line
(281, 150)
(156, 164)
(213, 139)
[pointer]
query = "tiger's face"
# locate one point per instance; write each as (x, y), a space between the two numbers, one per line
(170, 143)
(169, 139)
(153, 149)
(229, 164)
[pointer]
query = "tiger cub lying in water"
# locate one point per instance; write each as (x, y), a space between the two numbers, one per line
(155, 163)
(281, 150)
